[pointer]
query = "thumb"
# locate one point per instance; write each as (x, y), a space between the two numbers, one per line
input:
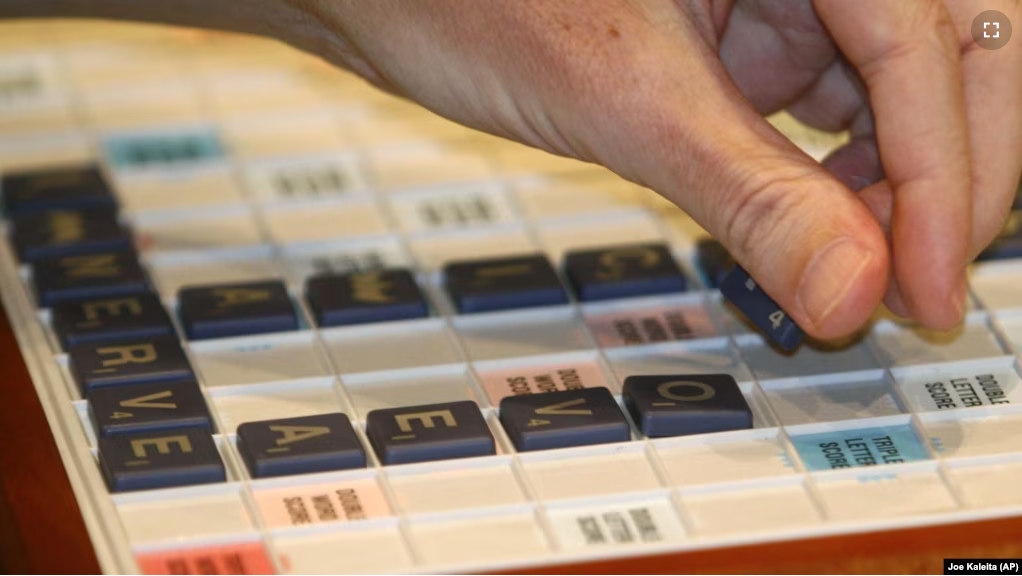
(806, 238)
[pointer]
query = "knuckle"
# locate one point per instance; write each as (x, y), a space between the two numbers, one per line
(763, 212)
(925, 26)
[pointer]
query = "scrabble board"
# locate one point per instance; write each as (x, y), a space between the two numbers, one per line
(280, 322)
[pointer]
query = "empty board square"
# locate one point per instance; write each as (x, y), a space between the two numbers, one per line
(561, 236)
(420, 165)
(623, 272)
(207, 230)
(102, 275)
(300, 445)
(258, 402)
(975, 436)
(876, 495)
(804, 402)
(392, 390)
(764, 509)
(279, 133)
(363, 297)
(108, 319)
(989, 485)
(551, 333)
(125, 105)
(997, 291)
(236, 310)
(434, 251)
(682, 404)
(47, 150)
(173, 274)
(638, 326)
(541, 378)
(742, 291)
(63, 188)
(329, 502)
(242, 558)
(446, 490)
(252, 360)
(859, 447)
(148, 408)
(431, 432)
(1011, 327)
(604, 473)
(194, 516)
(694, 463)
(164, 459)
(563, 419)
(713, 261)
(616, 524)
(153, 192)
(502, 284)
(365, 551)
(948, 387)
(485, 539)
(60, 233)
(318, 222)
(569, 194)
(141, 361)
(903, 347)
(716, 359)
(424, 343)
(766, 363)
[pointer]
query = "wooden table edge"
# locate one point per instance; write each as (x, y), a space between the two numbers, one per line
(41, 526)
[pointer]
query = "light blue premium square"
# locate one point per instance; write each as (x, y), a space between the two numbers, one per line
(859, 447)
(160, 150)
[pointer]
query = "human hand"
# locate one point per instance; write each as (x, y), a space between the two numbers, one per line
(670, 94)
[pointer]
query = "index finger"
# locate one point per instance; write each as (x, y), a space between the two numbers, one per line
(908, 54)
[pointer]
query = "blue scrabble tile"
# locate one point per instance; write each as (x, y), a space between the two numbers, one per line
(59, 233)
(228, 310)
(859, 447)
(363, 297)
(54, 233)
(87, 276)
(503, 284)
(432, 432)
(164, 459)
(148, 408)
(623, 272)
(760, 309)
(686, 404)
(303, 445)
(1008, 243)
(108, 319)
(69, 188)
(713, 261)
(137, 361)
(563, 419)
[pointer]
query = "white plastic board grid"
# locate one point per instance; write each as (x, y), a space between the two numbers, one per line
(305, 169)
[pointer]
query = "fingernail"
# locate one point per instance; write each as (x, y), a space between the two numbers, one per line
(829, 276)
